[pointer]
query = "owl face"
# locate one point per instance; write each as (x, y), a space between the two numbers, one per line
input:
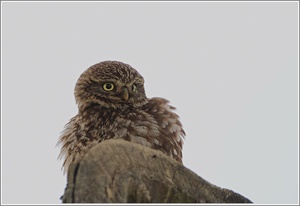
(110, 84)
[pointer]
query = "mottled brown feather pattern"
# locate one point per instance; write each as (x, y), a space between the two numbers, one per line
(108, 114)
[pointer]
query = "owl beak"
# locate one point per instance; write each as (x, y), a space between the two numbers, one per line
(125, 94)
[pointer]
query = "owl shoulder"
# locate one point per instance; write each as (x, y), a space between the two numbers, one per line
(164, 114)
(172, 132)
(160, 106)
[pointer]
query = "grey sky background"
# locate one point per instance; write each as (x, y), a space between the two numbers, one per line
(230, 69)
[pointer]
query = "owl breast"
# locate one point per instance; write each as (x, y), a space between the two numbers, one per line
(138, 127)
(154, 126)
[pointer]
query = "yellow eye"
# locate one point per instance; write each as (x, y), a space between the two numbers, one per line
(134, 88)
(108, 86)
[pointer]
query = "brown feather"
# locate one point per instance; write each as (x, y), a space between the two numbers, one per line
(105, 114)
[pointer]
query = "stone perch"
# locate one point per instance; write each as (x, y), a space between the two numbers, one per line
(117, 171)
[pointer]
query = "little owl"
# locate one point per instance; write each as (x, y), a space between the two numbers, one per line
(112, 104)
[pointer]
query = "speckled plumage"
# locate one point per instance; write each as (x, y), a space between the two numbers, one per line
(122, 113)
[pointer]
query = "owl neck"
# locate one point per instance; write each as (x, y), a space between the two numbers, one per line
(96, 108)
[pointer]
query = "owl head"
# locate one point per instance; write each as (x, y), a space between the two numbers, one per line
(110, 84)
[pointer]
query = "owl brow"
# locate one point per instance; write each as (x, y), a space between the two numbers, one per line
(101, 80)
(108, 80)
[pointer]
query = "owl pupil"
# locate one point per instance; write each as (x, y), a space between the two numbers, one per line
(108, 86)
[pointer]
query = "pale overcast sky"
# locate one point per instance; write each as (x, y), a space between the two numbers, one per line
(230, 69)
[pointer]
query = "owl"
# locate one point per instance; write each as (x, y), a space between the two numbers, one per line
(112, 104)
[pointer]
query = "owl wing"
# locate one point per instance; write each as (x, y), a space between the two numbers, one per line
(171, 136)
(74, 142)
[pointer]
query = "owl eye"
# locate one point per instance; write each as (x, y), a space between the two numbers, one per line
(133, 88)
(108, 86)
